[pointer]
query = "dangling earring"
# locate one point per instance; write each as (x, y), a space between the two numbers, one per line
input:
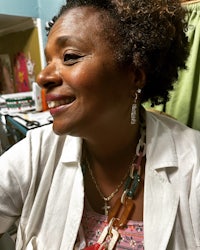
(134, 107)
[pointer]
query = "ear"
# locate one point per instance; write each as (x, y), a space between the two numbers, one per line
(139, 79)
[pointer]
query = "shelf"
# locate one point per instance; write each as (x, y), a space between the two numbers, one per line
(10, 24)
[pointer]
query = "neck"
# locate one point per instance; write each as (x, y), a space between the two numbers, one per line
(113, 151)
(105, 174)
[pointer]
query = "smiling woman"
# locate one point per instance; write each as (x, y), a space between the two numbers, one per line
(107, 174)
(84, 70)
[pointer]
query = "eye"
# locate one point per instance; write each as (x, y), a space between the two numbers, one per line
(70, 58)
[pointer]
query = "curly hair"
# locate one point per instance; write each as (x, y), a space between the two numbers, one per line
(149, 35)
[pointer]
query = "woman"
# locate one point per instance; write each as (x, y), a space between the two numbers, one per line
(111, 176)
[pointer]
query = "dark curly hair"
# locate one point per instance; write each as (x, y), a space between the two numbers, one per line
(150, 35)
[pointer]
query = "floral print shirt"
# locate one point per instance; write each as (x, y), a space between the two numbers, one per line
(131, 237)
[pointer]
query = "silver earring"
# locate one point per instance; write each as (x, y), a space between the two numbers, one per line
(134, 107)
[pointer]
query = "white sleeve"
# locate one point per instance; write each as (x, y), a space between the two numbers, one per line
(15, 174)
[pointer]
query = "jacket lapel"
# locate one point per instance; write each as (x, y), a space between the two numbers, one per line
(160, 209)
(161, 195)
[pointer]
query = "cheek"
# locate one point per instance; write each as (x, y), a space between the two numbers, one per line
(88, 79)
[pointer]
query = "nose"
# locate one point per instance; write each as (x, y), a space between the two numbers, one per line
(49, 77)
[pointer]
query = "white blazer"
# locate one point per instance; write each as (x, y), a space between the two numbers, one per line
(41, 183)
(172, 186)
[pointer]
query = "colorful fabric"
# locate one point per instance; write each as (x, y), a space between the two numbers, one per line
(131, 237)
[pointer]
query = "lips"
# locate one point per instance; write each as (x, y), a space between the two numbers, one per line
(58, 103)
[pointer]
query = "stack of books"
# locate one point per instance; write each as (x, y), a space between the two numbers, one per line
(18, 102)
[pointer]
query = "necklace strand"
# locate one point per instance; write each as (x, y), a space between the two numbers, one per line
(106, 207)
(108, 198)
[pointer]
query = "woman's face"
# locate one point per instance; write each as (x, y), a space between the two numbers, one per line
(86, 91)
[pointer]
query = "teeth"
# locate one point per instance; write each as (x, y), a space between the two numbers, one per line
(54, 104)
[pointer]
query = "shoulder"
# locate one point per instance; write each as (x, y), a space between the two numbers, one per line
(165, 124)
(171, 143)
(34, 150)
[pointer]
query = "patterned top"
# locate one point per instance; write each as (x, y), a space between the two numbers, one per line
(131, 237)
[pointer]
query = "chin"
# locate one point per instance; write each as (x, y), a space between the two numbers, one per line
(61, 129)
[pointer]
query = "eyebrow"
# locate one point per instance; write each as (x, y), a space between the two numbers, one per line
(62, 40)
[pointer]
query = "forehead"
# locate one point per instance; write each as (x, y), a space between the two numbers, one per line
(81, 23)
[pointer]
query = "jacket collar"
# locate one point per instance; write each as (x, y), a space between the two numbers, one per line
(158, 139)
(161, 149)
(161, 195)
(72, 150)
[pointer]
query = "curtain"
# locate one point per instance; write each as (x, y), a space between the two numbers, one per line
(184, 103)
